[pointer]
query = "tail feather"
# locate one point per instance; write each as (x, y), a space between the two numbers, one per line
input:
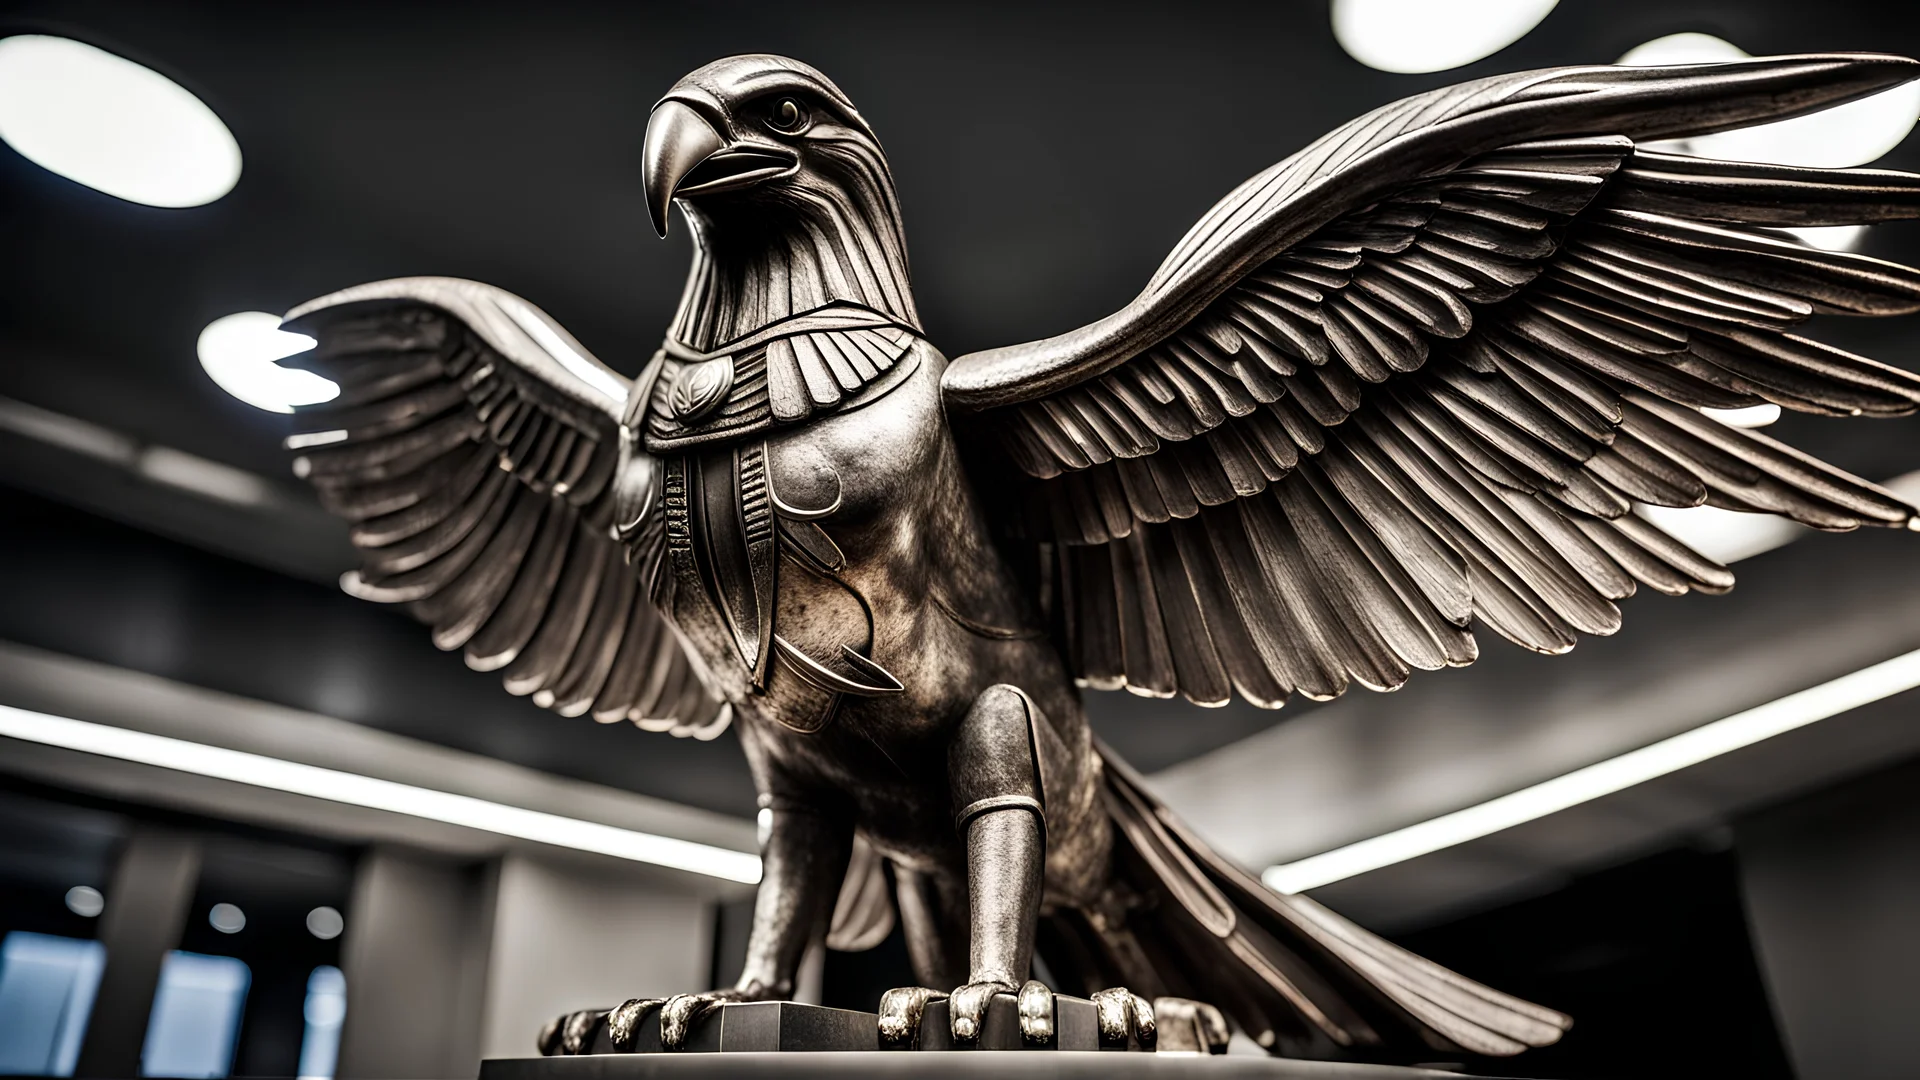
(1294, 975)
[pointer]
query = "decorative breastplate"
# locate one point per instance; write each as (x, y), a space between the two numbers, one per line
(823, 361)
(731, 546)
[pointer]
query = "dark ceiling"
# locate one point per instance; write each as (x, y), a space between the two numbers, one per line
(1047, 157)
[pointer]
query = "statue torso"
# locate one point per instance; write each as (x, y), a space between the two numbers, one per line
(839, 584)
(818, 564)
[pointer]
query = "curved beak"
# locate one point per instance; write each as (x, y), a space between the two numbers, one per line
(686, 156)
(677, 139)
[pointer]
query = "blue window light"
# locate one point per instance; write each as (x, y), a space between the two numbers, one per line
(326, 1010)
(195, 1023)
(47, 985)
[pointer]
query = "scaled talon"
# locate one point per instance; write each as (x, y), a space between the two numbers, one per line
(623, 1023)
(1123, 1014)
(1189, 1026)
(1036, 1012)
(900, 1014)
(967, 1008)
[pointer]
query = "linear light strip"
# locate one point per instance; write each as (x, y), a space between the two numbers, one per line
(354, 789)
(1603, 778)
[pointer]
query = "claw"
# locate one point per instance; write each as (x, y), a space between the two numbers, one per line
(967, 1008)
(577, 1036)
(1188, 1026)
(900, 1012)
(1036, 1012)
(682, 1011)
(570, 1034)
(623, 1023)
(1119, 1013)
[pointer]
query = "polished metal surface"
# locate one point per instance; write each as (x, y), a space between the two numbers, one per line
(1414, 376)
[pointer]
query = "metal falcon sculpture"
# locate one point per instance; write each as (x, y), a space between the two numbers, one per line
(1413, 377)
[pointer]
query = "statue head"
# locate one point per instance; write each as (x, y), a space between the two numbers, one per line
(787, 193)
(759, 135)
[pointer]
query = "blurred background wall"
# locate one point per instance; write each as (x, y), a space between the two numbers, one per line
(169, 588)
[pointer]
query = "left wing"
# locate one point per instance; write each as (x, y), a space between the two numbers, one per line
(475, 449)
(1420, 372)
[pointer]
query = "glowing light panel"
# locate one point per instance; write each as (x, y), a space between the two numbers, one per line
(1837, 138)
(106, 122)
(354, 789)
(1413, 36)
(1670, 755)
(239, 352)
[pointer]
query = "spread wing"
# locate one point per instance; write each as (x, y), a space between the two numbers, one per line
(475, 448)
(1420, 373)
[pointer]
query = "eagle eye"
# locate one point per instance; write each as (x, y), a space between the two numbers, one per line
(788, 116)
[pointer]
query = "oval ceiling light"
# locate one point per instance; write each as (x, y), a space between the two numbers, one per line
(227, 918)
(1411, 37)
(1837, 138)
(325, 923)
(86, 901)
(111, 124)
(1752, 416)
(239, 352)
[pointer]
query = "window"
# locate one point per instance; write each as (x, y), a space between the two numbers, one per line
(326, 1011)
(196, 1016)
(47, 985)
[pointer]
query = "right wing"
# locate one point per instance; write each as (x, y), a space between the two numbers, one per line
(475, 449)
(1417, 376)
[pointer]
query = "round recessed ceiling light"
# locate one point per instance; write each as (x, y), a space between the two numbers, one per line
(239, 351)
(325, 923)
(1415, 36)
(111, 124)
(227, 918)
(85, 901)
(1837, 138)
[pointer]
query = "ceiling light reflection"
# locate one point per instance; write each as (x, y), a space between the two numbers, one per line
(1753, 416)
(1829, 237)
(227, 918)
(86, 901)
(355, 789)
(1725, 536)
(209, 479)
(1415, 36)
(325, 923)
(111, 124)
(1670, 755)
(239, 352)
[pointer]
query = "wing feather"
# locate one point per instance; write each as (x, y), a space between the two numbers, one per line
(1381, 390)
(471, 447)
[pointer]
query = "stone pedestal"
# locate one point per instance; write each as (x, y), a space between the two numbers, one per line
(779, 1040)
(759, 1027)
(784, 1026)
(937, 1065)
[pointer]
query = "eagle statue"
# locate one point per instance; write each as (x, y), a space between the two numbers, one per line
(1413, 378)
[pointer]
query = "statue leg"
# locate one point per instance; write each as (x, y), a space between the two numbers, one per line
(803, 860)
(999, 805)
(933, 920)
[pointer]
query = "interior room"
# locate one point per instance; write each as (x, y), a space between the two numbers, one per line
(254, 823)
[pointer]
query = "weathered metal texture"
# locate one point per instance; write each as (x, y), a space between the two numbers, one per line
(1414, 376)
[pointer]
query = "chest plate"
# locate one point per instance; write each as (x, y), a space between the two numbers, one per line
(742, 567)
(824, 361)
